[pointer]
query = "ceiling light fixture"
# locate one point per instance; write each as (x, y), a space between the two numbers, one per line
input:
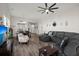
(48, 9)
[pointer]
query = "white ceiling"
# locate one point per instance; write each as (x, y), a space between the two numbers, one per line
(30, 10)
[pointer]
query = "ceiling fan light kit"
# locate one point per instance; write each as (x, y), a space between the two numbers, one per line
(47, 9)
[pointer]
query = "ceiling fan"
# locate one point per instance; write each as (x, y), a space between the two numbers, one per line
(47, 8)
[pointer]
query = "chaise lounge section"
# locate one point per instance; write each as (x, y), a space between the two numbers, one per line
(67, 42)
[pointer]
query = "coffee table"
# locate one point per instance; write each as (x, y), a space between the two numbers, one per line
(48, 51)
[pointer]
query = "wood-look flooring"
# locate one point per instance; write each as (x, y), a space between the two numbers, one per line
(31, 48)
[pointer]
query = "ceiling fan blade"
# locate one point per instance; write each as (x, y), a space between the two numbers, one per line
(41, 7)
(52, 5)
(54, 8)
(46, 5)
(43, 12)
(52, 11)
(40, 10)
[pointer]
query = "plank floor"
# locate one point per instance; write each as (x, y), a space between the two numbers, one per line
(29, 49)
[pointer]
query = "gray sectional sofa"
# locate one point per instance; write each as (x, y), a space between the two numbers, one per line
(66, 41)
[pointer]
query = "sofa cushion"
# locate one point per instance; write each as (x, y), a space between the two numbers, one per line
(70, 49)
(45, 38)
(69, 34)
(77, 51)
(60, 35)
(56, 40)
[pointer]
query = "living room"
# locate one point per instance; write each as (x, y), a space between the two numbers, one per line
(41, 28)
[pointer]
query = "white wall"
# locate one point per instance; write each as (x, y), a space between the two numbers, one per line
(4, 10)
(71, 16)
